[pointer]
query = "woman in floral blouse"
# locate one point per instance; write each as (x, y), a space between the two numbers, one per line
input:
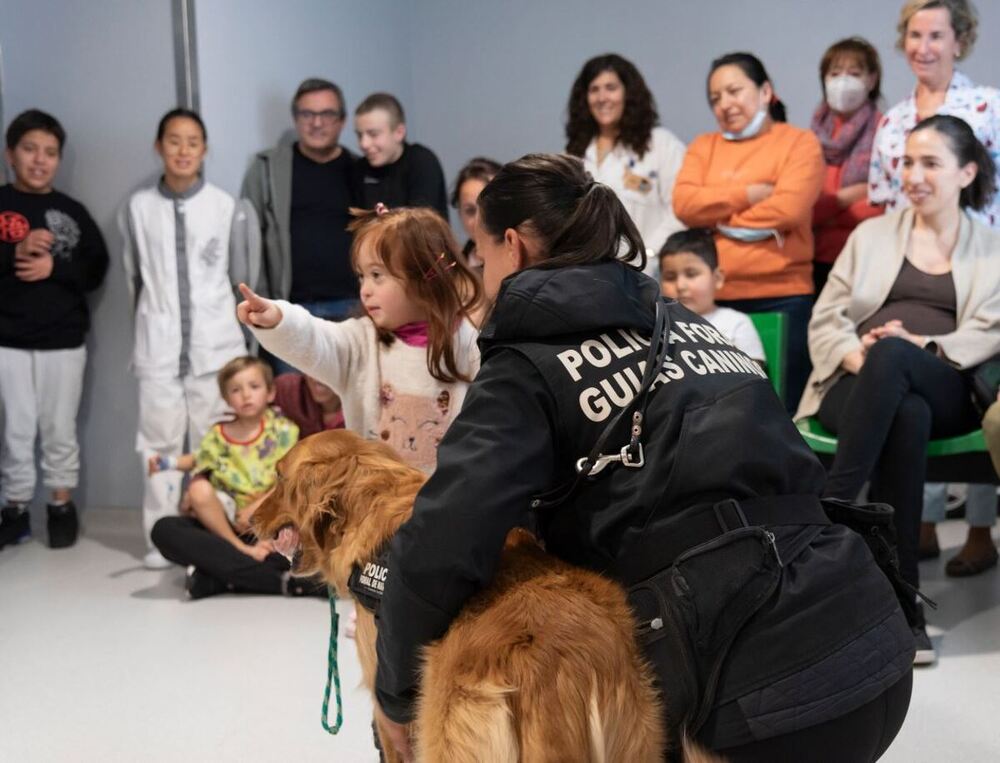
(934, 35)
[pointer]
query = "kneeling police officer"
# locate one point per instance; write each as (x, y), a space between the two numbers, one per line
(641, 445)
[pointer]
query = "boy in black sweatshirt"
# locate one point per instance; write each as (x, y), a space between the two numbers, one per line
(51, 255)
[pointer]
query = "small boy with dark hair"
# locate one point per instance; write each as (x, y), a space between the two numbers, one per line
(690, 273)
(51, 255)
(392, 171)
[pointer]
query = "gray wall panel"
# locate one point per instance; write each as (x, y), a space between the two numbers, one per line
(104, 68)
(252, 54)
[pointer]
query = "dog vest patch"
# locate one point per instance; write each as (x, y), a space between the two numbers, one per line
(367, 581)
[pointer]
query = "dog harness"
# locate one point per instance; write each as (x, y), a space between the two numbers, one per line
(367, 581)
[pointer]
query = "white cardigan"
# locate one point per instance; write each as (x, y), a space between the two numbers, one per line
(348, 357)
(860, 283)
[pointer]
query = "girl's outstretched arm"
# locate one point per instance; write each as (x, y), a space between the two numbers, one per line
(326, 350)
(256, 311)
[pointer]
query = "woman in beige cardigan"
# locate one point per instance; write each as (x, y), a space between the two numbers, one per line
(912, 301)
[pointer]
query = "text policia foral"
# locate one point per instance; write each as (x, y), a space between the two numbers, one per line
(600, 399)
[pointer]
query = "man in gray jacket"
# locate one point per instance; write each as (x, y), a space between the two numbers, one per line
(302, 193)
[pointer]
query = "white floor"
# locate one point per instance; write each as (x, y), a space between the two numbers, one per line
(101, 660)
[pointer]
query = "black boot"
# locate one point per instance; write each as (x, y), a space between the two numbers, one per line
(63, 525)
(201, 585)
(15, 524)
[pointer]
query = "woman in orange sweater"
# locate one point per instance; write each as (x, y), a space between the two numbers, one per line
(755, 182)
(845, 123)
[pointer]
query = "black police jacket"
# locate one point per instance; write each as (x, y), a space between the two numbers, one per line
(563, 351)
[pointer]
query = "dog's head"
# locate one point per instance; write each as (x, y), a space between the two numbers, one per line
(337, 498)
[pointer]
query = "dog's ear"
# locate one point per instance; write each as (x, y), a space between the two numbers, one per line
(322, 484)
(327, 527)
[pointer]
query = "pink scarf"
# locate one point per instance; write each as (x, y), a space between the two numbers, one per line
(414, 334)
(852, 147)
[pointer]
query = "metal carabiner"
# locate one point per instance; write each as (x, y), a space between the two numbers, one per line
(624, 458)
(598, 466)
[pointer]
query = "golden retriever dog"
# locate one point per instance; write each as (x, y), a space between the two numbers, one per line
(541, 666)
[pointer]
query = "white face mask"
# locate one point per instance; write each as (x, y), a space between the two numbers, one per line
(845, 93)
(753, 127)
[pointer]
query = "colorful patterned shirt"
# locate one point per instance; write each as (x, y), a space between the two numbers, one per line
(244, 470)
(977, 105)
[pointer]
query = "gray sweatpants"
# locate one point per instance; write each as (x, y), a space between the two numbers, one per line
(40, 394)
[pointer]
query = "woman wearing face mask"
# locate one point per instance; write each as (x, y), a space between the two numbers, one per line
(845, 124)
(934, 35)
(612, 126)
(755, 181)
(912, 301)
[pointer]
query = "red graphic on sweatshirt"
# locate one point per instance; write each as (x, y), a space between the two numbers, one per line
(13, 227)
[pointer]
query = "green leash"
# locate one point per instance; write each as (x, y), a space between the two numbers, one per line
(332, 673)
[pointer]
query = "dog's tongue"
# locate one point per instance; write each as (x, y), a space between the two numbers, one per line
(287, 542)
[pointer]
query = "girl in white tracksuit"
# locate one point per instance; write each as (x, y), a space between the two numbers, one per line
(186, 243)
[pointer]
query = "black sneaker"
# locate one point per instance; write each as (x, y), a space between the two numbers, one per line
(63, 525)
(15, 524)
(201, 585)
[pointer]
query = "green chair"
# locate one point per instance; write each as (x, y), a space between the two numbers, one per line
(773, 330)
(951, 459)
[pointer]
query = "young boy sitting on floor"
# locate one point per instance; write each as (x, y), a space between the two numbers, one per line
(690, 273)
(235, 465)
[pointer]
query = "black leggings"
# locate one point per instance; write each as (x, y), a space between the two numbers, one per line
(861, 736)
(185, 540)
(884, 418)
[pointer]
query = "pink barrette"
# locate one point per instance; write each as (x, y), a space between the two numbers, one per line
(432, 273)
(381, 209)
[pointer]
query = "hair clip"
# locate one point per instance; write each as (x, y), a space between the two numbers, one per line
(431, 272)
(381, 209)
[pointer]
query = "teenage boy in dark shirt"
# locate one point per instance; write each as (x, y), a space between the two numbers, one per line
(51, 255)
(394, 172)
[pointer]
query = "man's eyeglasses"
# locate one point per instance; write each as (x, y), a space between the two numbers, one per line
(329, 115)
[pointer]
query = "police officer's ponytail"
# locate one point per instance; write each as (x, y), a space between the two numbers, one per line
(551, 197)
